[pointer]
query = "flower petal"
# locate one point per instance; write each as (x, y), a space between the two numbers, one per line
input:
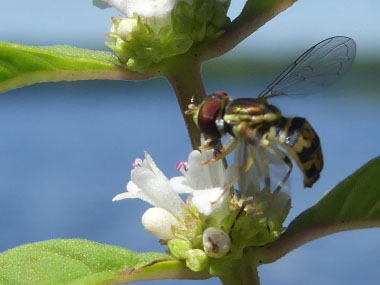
(180, 185)
(212, 202)
(152, 165)
(122, 5)
(124, 195)
(197, 174)
(151, 8)
(151, 185)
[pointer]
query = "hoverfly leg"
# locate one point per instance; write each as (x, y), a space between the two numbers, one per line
(209, 144)
(226, 150)
(228, 144)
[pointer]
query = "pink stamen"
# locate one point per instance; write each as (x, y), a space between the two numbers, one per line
(181, 164)
(137, 163)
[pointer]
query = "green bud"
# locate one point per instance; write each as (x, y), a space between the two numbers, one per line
(259, 223)
(196, 260)
(139, 65)
(182, 43)
(199, 33)
(220, 20)
(205, 13)
(179, 247)
(126, 27)
(182, 18)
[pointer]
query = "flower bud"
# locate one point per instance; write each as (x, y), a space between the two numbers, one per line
(159, 222)
(196, 260)
(125, 27)
(216, 243)
(179, 247)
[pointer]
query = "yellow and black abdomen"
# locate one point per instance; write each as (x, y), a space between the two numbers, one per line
(300, 140)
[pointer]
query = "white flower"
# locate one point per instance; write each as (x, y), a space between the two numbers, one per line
(145, 8)
(151, 185)
(206, 183)
(197, 176)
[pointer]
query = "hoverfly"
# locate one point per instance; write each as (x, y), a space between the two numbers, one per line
(258, 127)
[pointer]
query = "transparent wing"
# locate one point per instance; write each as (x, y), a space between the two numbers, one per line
(266, 172)
(319, 66)
(250, 180)
(262, 179)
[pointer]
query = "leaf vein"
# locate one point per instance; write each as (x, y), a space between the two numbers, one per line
(347, 203)
(374, 208)
(11, 68)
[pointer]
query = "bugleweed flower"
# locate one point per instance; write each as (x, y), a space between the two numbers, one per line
(158, 29)
(174, 221)
(198, 230)
(204, 183)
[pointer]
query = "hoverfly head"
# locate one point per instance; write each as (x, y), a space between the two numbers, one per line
(209, 117)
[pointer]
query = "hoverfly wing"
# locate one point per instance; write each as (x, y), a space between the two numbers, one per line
(260, 181)
(251, 179)
(266, 172)
(318, 67)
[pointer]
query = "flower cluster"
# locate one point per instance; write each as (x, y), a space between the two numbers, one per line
(159, 29)
(210, 228)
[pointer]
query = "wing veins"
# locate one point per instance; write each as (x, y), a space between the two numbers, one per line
(318, 67)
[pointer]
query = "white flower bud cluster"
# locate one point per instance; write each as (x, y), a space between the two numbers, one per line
(158, 29)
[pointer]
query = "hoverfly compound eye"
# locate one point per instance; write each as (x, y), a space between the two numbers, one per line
(211, 114)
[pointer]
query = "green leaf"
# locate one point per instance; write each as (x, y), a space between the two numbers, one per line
(26, 65)
(353, 204)
(86, 262)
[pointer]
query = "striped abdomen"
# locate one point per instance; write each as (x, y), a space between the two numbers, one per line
(300, 140)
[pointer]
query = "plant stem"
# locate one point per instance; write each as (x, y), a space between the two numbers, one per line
(184, 74)
(254, 15)
(243, 271)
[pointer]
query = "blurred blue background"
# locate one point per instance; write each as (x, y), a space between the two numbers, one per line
(66, 148)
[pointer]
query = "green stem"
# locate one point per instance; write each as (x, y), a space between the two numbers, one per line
(254, 15)
(243, 271)
(184, 74)
(249, 271)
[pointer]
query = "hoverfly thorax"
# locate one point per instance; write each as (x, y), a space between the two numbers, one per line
(252, 112)
(209, 117)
